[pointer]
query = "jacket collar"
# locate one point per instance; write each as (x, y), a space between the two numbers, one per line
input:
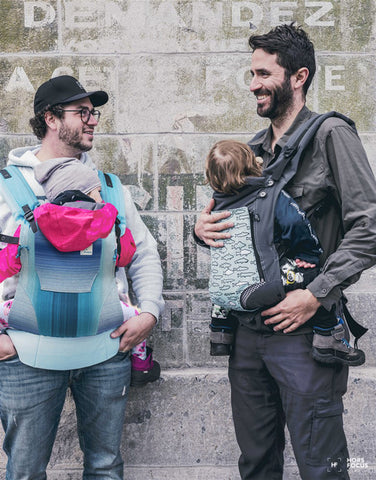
(264, 142)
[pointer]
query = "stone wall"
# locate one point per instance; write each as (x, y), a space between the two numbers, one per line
(177, 73)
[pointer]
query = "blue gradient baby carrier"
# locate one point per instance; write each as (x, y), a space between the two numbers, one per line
(63, 294)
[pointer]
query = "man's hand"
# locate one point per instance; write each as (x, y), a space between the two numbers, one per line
(298, 307)
(7, 349)
(208, 230)
(134, 330)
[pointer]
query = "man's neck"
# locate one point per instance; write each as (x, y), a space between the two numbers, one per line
(281, 124)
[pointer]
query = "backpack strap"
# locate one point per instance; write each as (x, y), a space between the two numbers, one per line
(18, 195)
(355, 328)
(9, 239)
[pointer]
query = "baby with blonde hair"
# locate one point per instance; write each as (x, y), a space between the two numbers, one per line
(232, 170)
(229, 163)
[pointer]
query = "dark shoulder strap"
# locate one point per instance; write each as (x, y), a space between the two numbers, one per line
(112, 192)
(9, 239)
(288, 160)
(355, 328)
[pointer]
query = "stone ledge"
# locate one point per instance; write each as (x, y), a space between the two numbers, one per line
(210, 472)
(180, 427)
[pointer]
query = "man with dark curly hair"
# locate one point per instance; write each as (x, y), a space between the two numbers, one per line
(95, 364)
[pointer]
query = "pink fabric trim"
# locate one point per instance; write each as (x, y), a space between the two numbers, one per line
(142, 365)
(70, 229)
(10, 264)
(128, 248)
(4, 313)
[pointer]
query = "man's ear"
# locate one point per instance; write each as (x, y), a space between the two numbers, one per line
(50, 120)
(300, 77)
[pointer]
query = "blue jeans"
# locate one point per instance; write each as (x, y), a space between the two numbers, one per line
(31, 401)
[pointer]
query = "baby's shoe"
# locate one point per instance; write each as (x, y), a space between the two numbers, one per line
(260, 296)
(144, 371)
(332, 346)
(222, 329)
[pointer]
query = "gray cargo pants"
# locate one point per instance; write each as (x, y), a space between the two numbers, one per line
(274, 381)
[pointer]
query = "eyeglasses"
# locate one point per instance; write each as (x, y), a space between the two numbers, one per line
(86, 114)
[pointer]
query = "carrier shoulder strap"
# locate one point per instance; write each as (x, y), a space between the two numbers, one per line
(18, 195)
(112, 192)
(288, 160)
(355, 328)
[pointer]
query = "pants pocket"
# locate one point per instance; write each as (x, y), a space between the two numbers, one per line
(308, 337)
(328, 442)
(120, 356)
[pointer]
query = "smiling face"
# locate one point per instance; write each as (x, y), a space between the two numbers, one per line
(271, 86)
(72, 132)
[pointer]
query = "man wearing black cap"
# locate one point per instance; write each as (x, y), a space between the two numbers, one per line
(39, 370)
(65, 97)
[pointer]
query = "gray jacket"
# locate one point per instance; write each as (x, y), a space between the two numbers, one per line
(335, 185)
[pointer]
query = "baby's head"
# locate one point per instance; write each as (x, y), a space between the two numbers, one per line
(228, 164)
(95, 194)
(60, 175)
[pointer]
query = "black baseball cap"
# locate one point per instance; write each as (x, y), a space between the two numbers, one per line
(65, 89)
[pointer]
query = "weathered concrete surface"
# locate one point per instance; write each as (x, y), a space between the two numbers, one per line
(180, 428)
(177, 73)
(207, 92)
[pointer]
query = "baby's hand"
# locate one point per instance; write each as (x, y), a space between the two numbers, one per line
(304, 264)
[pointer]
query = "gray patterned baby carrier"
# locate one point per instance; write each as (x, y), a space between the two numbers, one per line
(254, 259)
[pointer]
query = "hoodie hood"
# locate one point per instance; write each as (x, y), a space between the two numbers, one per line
(25, 157)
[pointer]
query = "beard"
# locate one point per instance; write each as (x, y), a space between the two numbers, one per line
(73, 138)
(281, 99)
